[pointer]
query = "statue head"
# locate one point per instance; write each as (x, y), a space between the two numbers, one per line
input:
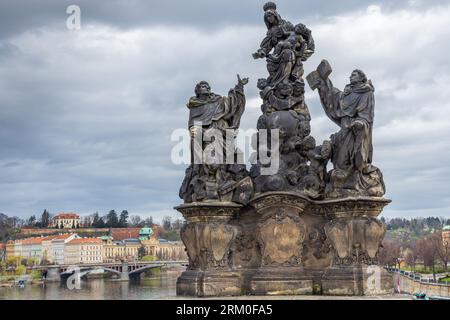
(271, 18)
(304, 129)
(270, 6)
(309, 143)
(358, 77)
(261, 84)
(202, 89)
(301, 29)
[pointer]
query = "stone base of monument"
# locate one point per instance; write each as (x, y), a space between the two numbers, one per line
(360, 280)
(209, 283)
(284, 244)
(281, 281)
(208, 237)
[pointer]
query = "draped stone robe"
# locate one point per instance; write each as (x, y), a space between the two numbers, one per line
(352, 149)
(228, 110)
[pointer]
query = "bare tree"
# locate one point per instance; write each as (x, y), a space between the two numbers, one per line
(135, 221)
(427, 251)
(390, 253)
(87, 222)
(441, 248)
(147, 222)
(177, 224)
(167, 223)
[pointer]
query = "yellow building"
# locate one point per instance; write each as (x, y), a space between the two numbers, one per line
(124, 250)
(151, 246)
(2, 251)
(10, 249)
(446, 236)
(165, 250)
(171, 251)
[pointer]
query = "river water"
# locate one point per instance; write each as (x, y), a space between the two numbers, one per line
(161, 286)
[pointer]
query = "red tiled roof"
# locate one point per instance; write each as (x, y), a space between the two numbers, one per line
(48, 238)
(58, 236)
(63, 236)
(37, 240)
(85, 240)
(125, 233)
(67, 216)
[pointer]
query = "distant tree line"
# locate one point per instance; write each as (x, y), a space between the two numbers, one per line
(418, 227)
(9, 226)
(169, 229)
(110, 220)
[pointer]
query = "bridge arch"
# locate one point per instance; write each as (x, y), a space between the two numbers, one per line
(111, 270)
(142, 269)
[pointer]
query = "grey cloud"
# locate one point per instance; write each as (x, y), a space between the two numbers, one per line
(86, 117)
(20, 15)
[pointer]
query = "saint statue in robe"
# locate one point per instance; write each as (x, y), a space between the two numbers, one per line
(353, 111)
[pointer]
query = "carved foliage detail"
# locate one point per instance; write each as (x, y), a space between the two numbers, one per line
(317, 242)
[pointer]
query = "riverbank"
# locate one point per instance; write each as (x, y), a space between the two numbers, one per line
(12, 281)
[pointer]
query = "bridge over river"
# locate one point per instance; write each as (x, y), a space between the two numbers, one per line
(124, 270)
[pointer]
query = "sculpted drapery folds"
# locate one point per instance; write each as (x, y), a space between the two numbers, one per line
(353, 111)
(216, 180)
(212, 110)
(285, 47)
(290, 225)
(302, 165)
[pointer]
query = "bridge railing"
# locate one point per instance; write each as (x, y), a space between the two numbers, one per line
(114, 264)
(417, 277)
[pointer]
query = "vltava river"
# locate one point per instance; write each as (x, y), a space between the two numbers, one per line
(161, 286)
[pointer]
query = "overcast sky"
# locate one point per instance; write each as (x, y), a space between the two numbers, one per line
(86, 116)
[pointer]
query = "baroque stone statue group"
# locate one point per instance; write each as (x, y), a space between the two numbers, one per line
(308, 227)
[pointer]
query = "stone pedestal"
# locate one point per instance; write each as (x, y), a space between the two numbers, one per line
(283, 243)
(208, 237)
(280, 231)
(356, 280)
(281, 281)
(355, 236)
(209, 283)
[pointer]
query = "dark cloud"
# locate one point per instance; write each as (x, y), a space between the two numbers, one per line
(20, 15)
(86, 116)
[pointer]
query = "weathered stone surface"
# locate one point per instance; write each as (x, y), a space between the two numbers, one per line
(356, 280)
(208, 236)
(283, 244)
(301, 229)
(211, 177)
(266, 284)
(209, 283)
(281, 238)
